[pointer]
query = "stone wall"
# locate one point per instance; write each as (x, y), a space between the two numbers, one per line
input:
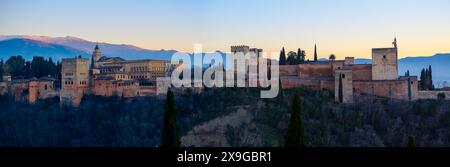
(397, 89)
(41, 89)
(432, 94)
(288, 70)
(362, 71)
(115, 87)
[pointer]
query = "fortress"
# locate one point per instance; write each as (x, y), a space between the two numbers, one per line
(104, 76)
(349, 80)
(108, 76)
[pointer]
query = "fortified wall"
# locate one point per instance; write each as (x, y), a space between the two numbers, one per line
(349, 80)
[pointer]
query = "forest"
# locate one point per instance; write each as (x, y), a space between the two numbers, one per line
(137, 122)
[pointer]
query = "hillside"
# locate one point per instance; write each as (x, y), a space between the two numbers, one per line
(30, 48)
(224, 117)
(128, 52)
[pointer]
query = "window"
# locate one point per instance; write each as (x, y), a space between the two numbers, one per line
(384, 56)
(343, 76)
(45, 87)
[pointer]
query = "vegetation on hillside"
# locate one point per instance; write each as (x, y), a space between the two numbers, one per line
(115, 121)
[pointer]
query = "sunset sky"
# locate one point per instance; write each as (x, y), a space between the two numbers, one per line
(343, 27)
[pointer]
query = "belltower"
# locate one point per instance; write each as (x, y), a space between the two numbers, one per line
(95, 56)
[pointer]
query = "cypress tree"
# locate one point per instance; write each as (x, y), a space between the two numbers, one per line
(282, 57)
(340, 95)
(422, 80)
(299, 56)
(170, 132)
(430, 77)
(295, 136)
(315, 52)
(411, 142)
(1, 69)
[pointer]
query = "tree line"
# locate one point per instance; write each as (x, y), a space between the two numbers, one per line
(38, 67)
(426, 79)
(299, 57)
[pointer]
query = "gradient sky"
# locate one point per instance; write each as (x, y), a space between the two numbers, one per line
(341, 27)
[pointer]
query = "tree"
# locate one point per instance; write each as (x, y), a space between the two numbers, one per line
(1, 69)
(315, 52)
(282, 57)
(295, 136)
(340, 91)
(292, 58)
(430, 77)
(39, 66)
(332, 57)
(170, 132)
(422, 80)
(411, 142)
(441, 96)
(15, 65)
(57, 73)
(51, 67)
(302, 56)
(299, 56)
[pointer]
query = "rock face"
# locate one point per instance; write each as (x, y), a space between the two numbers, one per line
(215, 133)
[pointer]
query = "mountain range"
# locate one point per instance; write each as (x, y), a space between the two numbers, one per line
(62, 47)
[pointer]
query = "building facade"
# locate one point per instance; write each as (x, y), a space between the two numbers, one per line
(349, 80)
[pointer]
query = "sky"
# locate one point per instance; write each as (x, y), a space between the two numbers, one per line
(340, 27)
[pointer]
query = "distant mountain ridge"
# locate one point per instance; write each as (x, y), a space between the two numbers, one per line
(29, 48)
(86, 47)
(61, 47)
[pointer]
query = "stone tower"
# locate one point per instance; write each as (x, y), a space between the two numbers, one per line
(74, 80)
(344, 77)
(384, 63)
(96, 55)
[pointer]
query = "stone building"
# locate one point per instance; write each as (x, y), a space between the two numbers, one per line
(29, 89)
(108, 76)
(41, 89)
(74, 80)
(377, 79)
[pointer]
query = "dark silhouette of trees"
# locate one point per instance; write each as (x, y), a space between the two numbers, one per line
(292, 58)
(332, 57)
(170, 132)
(426, 79)
(295, 136)
(300, 56)
(15, 66)
(39, 67)
(315, 52)
(1, 69)
(411, 142)
(282, 57)
(340, 91)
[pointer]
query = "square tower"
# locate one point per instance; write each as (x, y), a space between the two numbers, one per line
(384, 64)
(343, 86)
(74, 80)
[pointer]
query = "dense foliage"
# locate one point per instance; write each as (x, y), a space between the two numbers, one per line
(170, 131)
(18, 68)
(114, 121)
